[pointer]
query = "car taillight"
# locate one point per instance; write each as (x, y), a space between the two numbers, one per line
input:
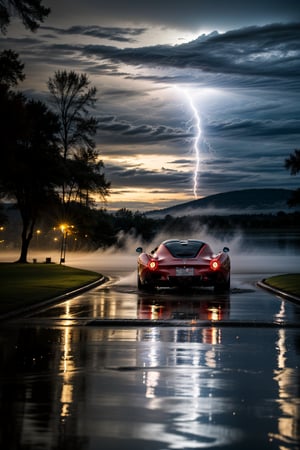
(214, 265)
(153, 265)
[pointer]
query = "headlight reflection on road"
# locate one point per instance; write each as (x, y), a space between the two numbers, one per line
(285, 377)
(183, 386)
(67, 367)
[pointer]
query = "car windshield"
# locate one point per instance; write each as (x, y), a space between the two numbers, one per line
(184, 249)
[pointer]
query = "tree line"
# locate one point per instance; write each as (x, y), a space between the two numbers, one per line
(101, 229)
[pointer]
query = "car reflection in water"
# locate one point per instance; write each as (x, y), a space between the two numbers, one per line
(213, 310)
(154, 308)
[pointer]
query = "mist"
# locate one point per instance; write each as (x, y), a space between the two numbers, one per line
(256, 254)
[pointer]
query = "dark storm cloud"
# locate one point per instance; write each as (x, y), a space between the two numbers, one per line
(247, 58)
(127, 132)
(188, 14)
(254, 128)
(182, 162)
(211, 179)
(120, 93)
(215, 175)
(271, 51)
(119, 34)
(144, 178)
(256, 163)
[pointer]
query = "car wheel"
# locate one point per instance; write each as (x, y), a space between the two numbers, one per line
(139, 283)
(222, 287)
(143, 286)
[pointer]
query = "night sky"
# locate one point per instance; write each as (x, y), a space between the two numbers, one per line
(239, 62)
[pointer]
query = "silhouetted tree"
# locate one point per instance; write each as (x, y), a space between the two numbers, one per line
(293, 162)
(293, 165)
(11, 71)
(31, 12)
(72, 99)
(85, 175)
(11, 68)
(133, 223)
(30, 160)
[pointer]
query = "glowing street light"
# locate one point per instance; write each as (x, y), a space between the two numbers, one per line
(2, 240)
(64, 229)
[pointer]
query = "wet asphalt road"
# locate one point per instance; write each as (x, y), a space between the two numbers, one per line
(223, 373)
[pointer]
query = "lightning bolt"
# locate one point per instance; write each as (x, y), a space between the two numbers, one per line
(196, 144)
(196, 139)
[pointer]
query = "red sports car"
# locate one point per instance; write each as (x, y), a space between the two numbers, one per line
(183, 263)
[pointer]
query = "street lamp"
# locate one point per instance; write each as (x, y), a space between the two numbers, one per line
(66, 230)
(38, 232)
(1, 240)
(63, 248)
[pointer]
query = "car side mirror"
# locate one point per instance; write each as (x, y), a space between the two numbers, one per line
(225, 249)
(139, 250)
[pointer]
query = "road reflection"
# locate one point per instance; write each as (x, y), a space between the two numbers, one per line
(160, 388)
(129, 303)
(65, 384)
(288, 393)
(215, 308)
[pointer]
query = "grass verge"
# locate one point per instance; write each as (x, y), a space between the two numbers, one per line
(289, 283)
(23, 285)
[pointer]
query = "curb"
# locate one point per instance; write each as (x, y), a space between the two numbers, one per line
(293, 298)
(51, 301)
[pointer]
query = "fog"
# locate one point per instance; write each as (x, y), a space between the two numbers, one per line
(256, 253)
(217, 211)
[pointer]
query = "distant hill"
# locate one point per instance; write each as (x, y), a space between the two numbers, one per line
(247, 201)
